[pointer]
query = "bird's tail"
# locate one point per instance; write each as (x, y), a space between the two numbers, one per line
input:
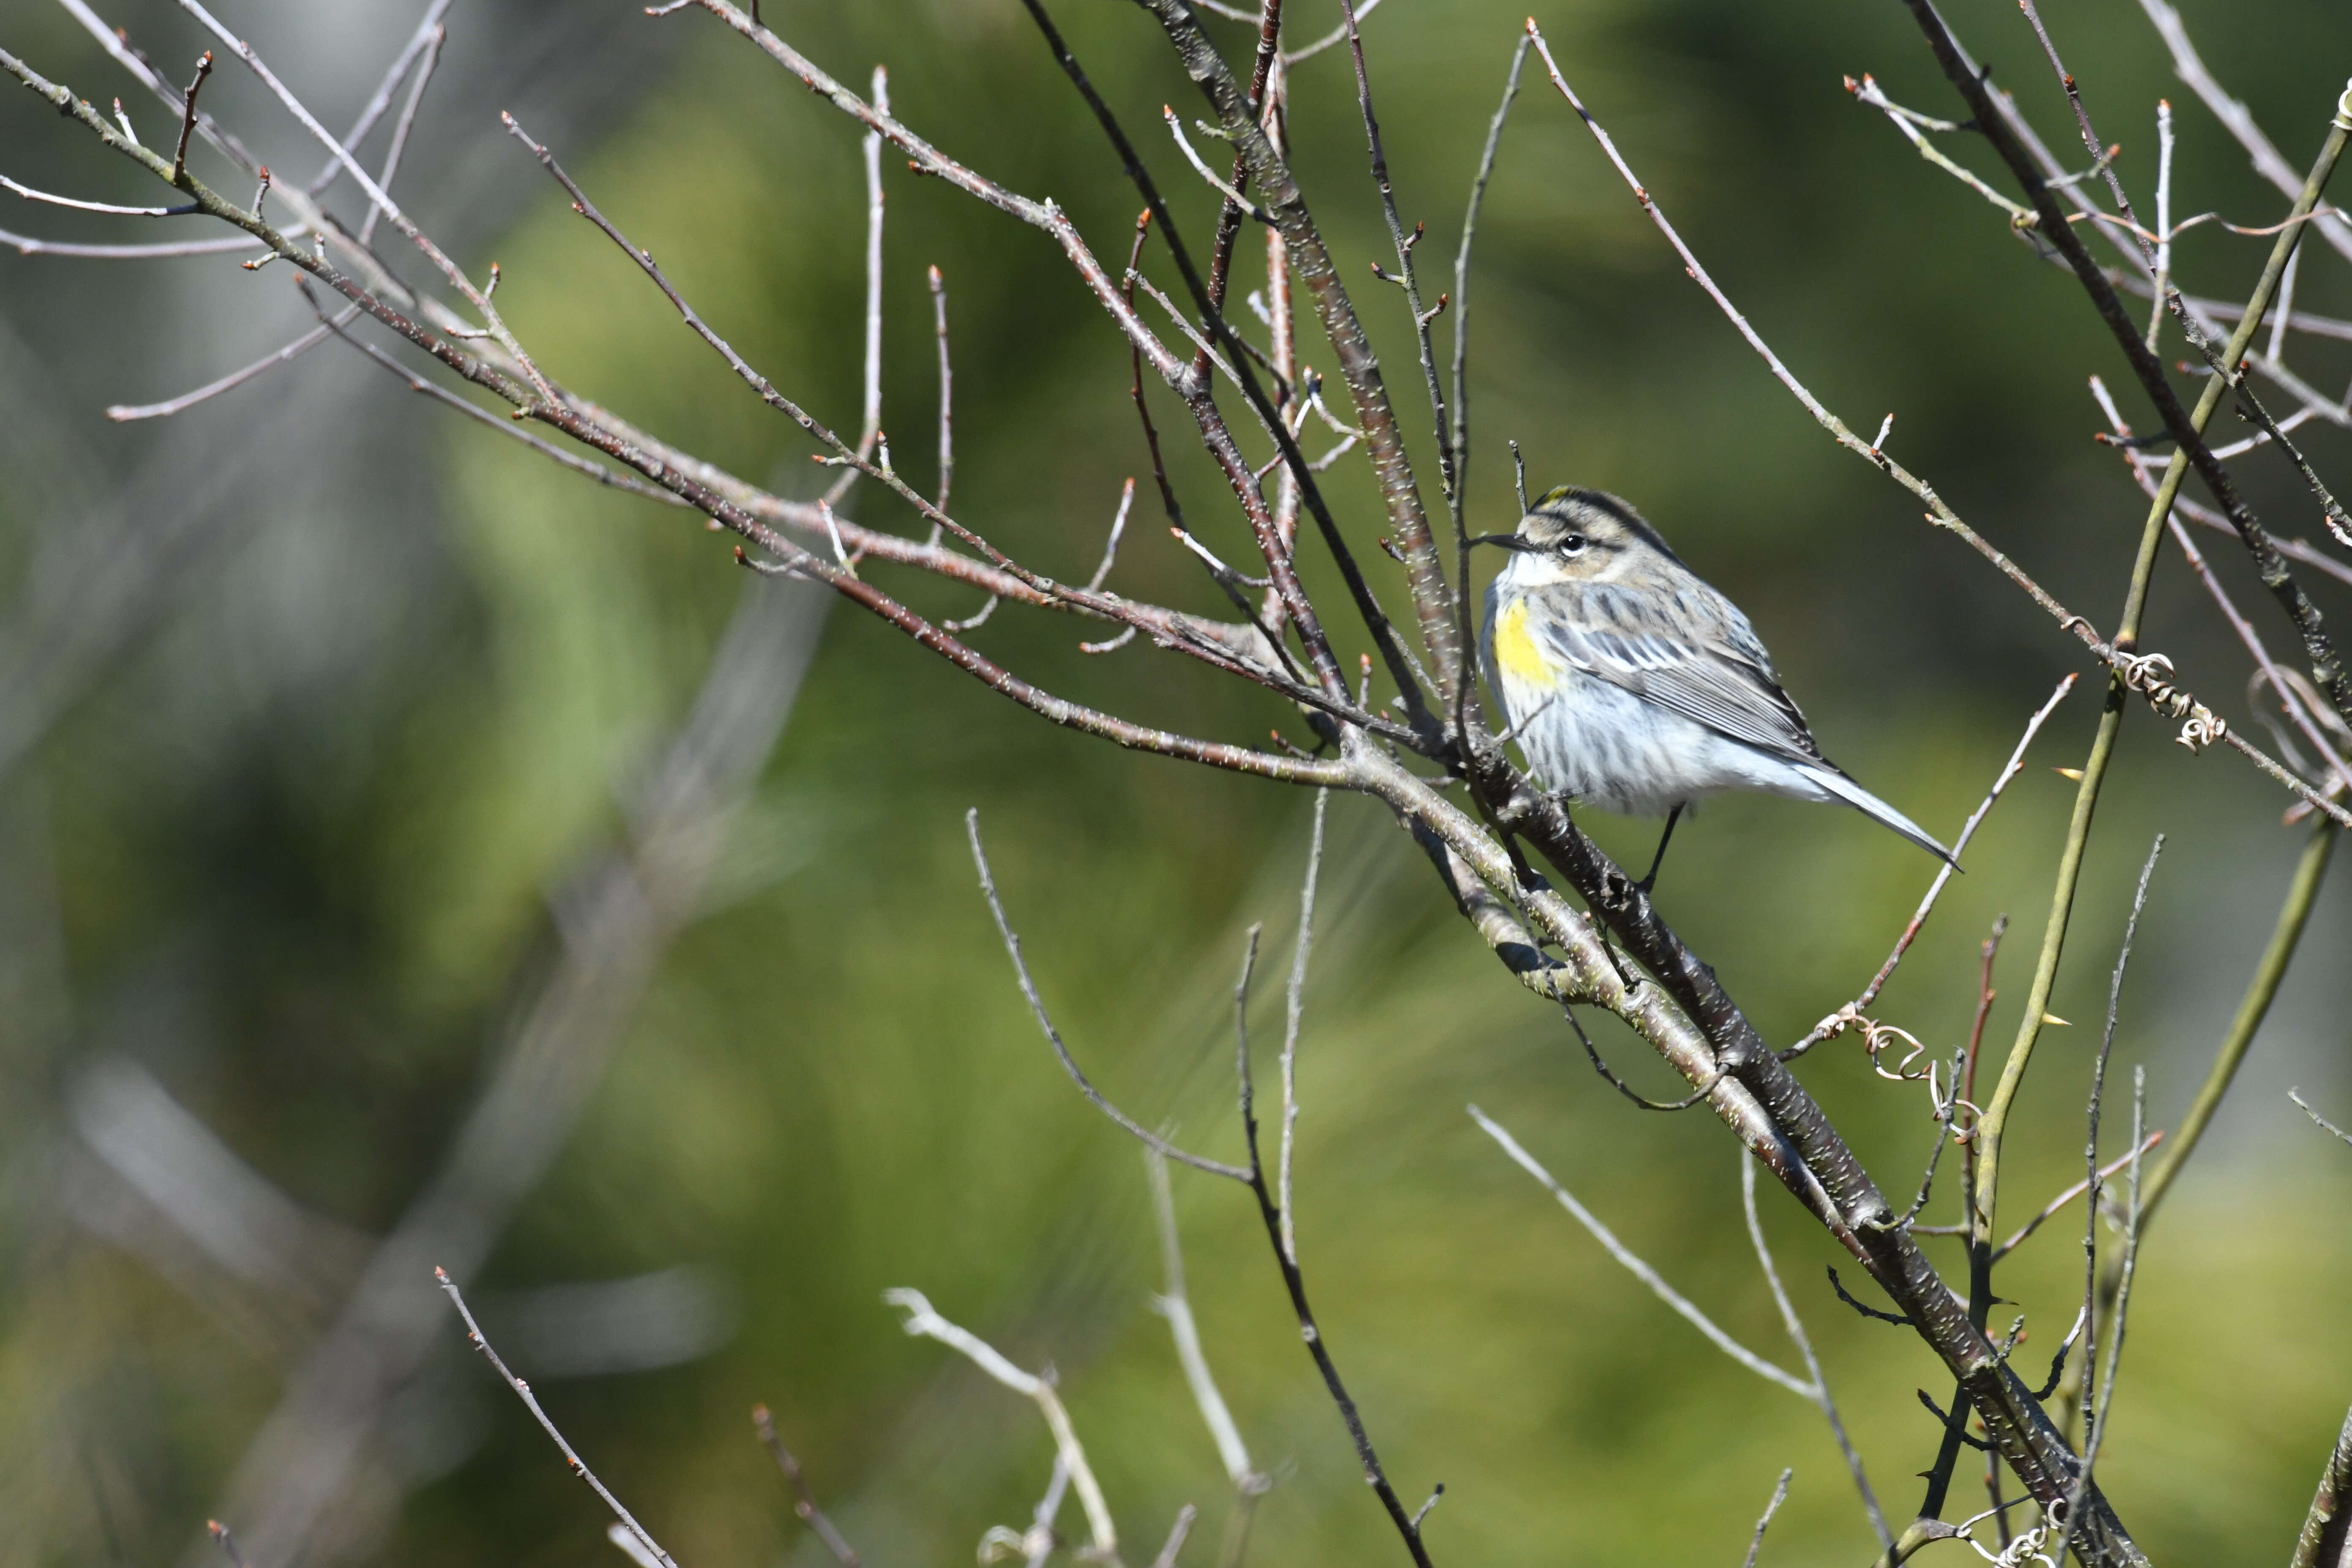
(1870, 806)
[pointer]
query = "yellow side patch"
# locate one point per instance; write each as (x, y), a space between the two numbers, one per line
(1515, 649)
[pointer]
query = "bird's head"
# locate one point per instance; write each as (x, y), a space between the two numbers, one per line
(1575, 535)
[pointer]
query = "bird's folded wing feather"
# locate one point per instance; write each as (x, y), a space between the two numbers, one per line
(1728, 689)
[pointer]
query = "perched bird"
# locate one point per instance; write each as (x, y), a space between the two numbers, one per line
(1632, 685)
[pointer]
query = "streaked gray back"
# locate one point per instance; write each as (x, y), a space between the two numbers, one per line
(1680, 644)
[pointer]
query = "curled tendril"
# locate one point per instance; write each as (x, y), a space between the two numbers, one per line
(1877, 1039)
(2150, 674)
(2029, 1546)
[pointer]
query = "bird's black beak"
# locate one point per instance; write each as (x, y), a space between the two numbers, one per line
(1507, 541)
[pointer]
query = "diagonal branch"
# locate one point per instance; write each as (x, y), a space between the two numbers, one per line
(1318, 274)
(2187, 429)
(1641, 1270)
(1149, 1140)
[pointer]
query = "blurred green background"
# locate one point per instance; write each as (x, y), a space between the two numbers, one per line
(325, 711)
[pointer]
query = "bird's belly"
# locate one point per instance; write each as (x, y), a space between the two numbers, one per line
(1602, 745)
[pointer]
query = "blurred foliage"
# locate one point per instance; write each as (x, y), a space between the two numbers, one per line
(292, 849)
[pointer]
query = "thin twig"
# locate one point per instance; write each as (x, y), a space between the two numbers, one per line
(2098, 1424)
(2090, 1392)
(924, 1321)
(376, 194)
(1457, 493)
(2297, 1095)
(2050, 1209)
(1847, 1016)
(1699, 1092)
(530, 1403)
(1150, 1139)
(1176, 1534)
(2163, 280)
(1462, 288)
(110, 208)
(1641, 1270)
(1174, 1305)
(188, 116)
(1779, 1495)
(1118, 526)
(1223, 187)
(1293, 1013)
(1333, 39)
(946, 398)
(805, 1500)
(1295, 1284)
(869, 428)
(1820, 1392)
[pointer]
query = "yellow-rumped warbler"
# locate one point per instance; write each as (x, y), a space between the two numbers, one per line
(1633, 686)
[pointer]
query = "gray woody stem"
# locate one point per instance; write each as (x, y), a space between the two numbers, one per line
(1796, 1327)
(1758, 1096)
(2322, 1540)
(1319, 275)
(530, 1401)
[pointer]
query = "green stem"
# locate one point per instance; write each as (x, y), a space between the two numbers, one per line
(1995, 1121)
(2301, 894)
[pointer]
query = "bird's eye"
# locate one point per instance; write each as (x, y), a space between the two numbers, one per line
(1572, 546)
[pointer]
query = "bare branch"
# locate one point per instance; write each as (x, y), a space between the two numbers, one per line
(188, 116)
(1292, 1013)
(2297, 1095)
(1457, 500)
(869, 428)
(1848, 1016)
(2321, 1539)
(376, 194)
(30, 194)
(804, 1500)
(1779, 1495)
(1118, 526)
(1641, 1270)
(1175, 1306)
(530, 1403)
(2235, 116)
(1820, 1391)
(1176, 1534)
(947, 401)
(1333, 39)
(2051, 1208)
(1150, 1139)
(925, 1322)
(427, 42)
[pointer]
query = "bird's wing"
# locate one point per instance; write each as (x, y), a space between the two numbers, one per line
(1721, 678)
